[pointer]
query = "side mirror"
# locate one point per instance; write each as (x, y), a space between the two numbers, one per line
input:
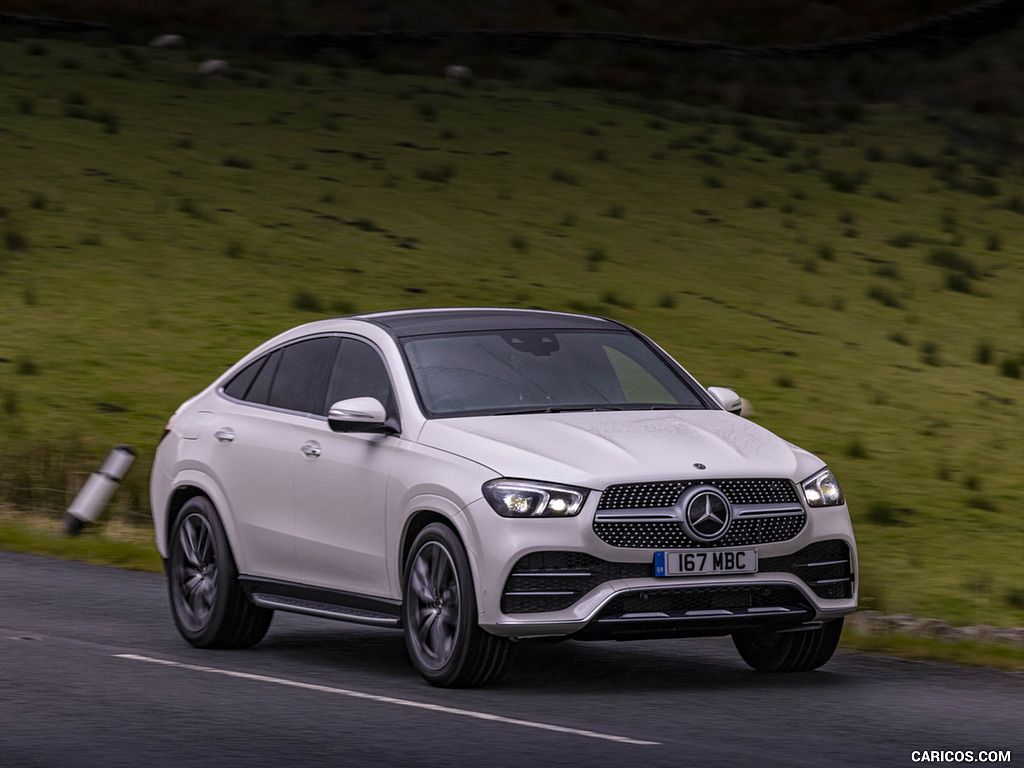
(359, 414)
(726, 398)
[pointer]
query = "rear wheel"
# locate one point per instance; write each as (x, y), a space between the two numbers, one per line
(445, 642)
(209, 607)
(789, 651)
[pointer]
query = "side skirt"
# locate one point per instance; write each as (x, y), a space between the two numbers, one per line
(324, 603)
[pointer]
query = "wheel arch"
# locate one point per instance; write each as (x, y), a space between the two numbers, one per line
(179, 497)
(188, 485)
(416, 523)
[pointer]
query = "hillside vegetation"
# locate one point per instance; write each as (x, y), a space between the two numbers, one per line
(857, 274)
(742, 22)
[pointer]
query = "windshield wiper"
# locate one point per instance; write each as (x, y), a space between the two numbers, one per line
(561, 409)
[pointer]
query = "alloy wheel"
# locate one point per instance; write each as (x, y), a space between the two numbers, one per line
(434, 586)
(195, 572)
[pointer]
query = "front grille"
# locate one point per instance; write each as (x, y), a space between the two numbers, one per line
(666, 494)
(553, 581)
(682, 600)
(771, 512)
(668, 534)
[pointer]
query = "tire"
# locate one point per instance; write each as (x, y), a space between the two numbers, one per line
(789, 651)
(209, 607)
(439, 616)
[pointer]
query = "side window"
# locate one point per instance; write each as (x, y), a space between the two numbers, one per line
(252, 383)
(259, 391)
(238, 387)
(358, 372)
(301, 374)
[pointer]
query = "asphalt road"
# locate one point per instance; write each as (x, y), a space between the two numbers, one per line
(93, 673)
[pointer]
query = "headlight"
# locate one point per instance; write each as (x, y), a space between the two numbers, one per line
(519, 498)
(822, 490)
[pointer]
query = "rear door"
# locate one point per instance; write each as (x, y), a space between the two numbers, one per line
(258, 437)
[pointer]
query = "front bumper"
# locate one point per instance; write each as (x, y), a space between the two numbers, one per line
(559, 579)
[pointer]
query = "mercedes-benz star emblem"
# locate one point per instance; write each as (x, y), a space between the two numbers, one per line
(706, 513)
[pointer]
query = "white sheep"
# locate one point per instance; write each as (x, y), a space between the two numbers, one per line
(457, 73)
(167, 41)
(213, 67)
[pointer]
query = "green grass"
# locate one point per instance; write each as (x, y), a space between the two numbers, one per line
(135, 265)
(43, 537)
(967, 652)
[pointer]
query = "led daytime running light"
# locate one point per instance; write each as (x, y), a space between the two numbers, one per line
(520, 498)
(823, 490)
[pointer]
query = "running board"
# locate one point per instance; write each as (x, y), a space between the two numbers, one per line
(324, 610)
(324, 603)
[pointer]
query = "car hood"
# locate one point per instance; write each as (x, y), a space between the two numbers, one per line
(598, 449)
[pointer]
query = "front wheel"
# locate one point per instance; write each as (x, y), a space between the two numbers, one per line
(210, 609)
(445, 642)
(789, 651)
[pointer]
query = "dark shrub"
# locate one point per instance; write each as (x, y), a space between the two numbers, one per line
(307, 302)
(949, 259)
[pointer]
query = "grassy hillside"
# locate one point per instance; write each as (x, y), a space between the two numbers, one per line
(861, 286)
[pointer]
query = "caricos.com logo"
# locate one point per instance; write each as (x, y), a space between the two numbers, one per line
(960, 756)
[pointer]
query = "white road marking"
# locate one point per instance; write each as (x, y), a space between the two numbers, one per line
(390, 700)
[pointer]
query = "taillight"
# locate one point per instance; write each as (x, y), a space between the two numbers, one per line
(167, 429)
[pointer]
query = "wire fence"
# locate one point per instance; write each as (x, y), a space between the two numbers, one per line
(53, 502)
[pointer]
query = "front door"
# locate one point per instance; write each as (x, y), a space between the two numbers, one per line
(341, 485)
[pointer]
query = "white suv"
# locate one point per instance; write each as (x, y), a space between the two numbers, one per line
(480, 477)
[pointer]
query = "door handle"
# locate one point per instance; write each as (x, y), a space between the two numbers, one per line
(311, 450)
(224, 435)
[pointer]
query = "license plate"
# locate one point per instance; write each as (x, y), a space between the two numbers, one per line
(702, 562)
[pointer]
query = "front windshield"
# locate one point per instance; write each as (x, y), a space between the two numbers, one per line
(492, 372)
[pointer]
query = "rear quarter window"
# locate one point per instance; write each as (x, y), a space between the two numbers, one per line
(293, 378)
